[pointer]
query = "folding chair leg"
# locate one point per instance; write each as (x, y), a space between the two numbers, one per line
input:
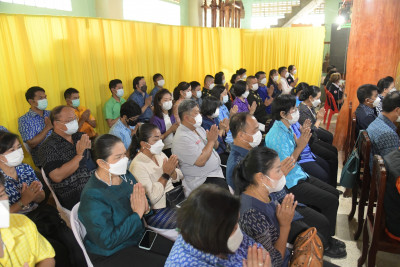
(353, 202)
(365, 245)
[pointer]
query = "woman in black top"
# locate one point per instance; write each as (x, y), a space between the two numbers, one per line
(336, 90)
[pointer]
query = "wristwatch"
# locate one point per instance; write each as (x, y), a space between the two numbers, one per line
(23, 207)
(166, 176)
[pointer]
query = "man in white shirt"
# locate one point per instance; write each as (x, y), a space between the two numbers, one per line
(198, 160)
(283, 72)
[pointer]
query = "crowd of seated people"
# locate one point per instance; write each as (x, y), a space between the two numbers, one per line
(209, 141)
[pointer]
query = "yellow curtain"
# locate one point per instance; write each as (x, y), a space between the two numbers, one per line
(86, 53)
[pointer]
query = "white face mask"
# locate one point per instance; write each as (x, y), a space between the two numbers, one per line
(244, 77)
(188, 95)
(4, 214)
(167, 105)
(376, 102)
(287, 74)
(119, 168)
(42, 104)
(235, 240)
(198, 94)
(316, 102)
(14, 158)
(199, 121)
(254, 87)
(294, 72)
(161, 83)
(212, 86)
(277, 185)
(216, 113)
(263, 81)
(225, 99)
(256, 139)
(295, 117)
(72, 127)
(276, 78)
(393, 90)
(245, 94)
(157, 147)
(223, 82)
(120, 92)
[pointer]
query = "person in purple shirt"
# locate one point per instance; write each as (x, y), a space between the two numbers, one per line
(263, 91)
(164, 119)
(242, 92)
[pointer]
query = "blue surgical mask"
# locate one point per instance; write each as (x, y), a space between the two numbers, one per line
(42, 104)
(225, 99)
(76, 103)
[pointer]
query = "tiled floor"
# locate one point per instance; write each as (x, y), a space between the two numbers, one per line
(345, 230)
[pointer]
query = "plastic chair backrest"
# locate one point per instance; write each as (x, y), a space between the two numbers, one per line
(331, 101)
(79, 231)
(61, 209)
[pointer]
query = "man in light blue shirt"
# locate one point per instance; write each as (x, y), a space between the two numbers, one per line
(124, 128)
(141, 98)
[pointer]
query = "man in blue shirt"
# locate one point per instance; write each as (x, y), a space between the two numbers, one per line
(159, 83)
(367, 95)
(263, 90)
(141, 98)
(35, 125)
(382, 131)
(125, 127)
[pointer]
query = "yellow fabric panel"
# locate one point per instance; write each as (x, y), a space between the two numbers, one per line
(273, 48)
(86, 53)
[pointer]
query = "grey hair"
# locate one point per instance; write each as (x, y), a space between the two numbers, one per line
(186, 106)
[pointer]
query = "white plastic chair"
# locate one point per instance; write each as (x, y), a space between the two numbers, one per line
(65, 213)
(79, 232)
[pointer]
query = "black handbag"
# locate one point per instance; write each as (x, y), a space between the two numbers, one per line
(175, 196)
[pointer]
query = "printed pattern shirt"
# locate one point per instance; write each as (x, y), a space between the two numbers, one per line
(243, 106)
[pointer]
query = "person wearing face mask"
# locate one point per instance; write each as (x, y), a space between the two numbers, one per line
(284, 74)
(292, 70)
(66, 158)
(272, 222)
(385, 86)
(113, 105)
(220, 241)
(140, 97)
(242, 74)
(86, 121)
(260, 112)
(19, 234)
(220, 80)
(242, 92)
(208, 85)
(156, 172)
(112, 208)
(263, 91)
(273, 85)
(181, 92)
(367, 96)
(164, 119)
(234, 79)
(307, 189)
(27, 197)
(125, 127)
(220, 92)
(159, 83)
(35, 126)
(336, 90)
(196, 149)
(383, 130)
(210, 112)
(196, 92)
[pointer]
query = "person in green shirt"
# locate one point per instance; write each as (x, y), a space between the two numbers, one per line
(113, 105)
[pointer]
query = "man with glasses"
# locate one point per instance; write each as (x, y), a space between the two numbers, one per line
(66, 158)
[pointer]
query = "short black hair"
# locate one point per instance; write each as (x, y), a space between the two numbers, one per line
(281, 69)
(239, 88)
(259, 73)
(309, 91)
(384, 83)
(7, 141)
(365, 91)
(113, 83)
(158, 111)
(241, 71)
(391, 101)
(282, 103)
(218, 77)
(299, 88)
(194, 84)
(2, 179)
(143, 133)
(208, 76)
(182, 86)
(250, 78)
(209, 105)
(69, 92)
(130, 109)
(103, 145)
(233, 78)
(30, 93)
(290, 68)
(156, 76)
(237, 123)
(136, 81)
(208, 217)
(259, 159)
(55, 112)
(217, 91)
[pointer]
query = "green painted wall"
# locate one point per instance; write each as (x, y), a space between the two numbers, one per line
(80, 8)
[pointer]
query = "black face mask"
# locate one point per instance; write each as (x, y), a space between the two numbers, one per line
(131, 122)
(143, 88)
